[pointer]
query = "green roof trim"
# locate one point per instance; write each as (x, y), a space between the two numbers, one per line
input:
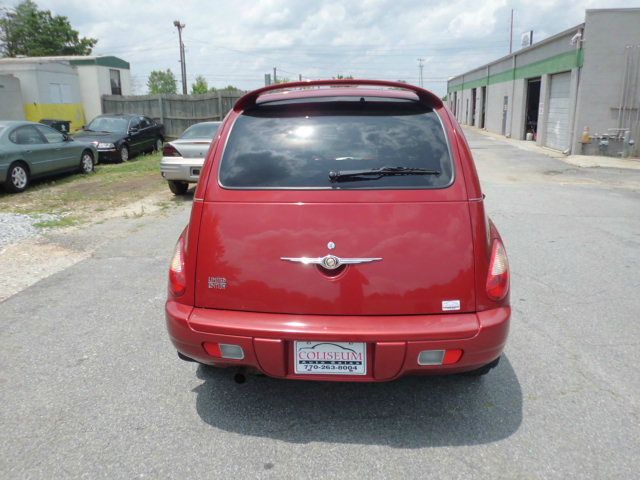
(557, 63)
(113, 62)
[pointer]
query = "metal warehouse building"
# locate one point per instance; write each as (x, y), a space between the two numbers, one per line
(587, 76)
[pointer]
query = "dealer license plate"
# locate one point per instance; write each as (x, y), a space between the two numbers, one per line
(330, 358)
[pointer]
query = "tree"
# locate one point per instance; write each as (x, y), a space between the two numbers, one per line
(231, 88)
(228, 89)
(343, 77)
(26, 30)
(282, 80)
(199, 86)
(162, 82)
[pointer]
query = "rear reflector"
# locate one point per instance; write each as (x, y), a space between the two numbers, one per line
(224, 350)
(452, 356)
(439, 357)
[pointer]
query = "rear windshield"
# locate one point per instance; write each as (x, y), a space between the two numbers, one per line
(201, 130)
(298, 146)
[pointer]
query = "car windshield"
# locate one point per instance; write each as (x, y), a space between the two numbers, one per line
(108, 124)
(201, 130)
(303, 145)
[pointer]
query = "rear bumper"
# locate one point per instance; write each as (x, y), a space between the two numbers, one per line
(182, 169)
(393, 343)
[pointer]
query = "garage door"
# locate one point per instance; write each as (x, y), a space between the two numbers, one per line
(557, 128)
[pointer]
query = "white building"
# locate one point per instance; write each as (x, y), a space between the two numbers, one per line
(66, 88)
(10, 98)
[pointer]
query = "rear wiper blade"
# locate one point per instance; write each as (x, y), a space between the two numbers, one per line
(375, 173)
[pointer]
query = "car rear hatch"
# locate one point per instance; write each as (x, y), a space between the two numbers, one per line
(271, 210)
(192, 148)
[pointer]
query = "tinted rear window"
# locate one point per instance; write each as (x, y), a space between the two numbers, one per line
(296, 146)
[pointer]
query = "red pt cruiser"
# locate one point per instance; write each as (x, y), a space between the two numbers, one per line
(338, 232)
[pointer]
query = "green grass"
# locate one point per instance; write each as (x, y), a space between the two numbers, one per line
(110, 186)
(57, 223)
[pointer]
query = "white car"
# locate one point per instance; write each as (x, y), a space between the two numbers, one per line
(182, 159)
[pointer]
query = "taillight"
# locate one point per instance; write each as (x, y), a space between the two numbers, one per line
(177, 277)
(498, 276)
(170, 151)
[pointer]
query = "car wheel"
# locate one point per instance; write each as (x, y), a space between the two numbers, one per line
(158, 145)
(86, 162)
(178, 188)
(124, 154)
(17, 178)
(483, 370)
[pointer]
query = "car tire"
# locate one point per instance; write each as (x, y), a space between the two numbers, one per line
(18, 177)
(87, 163)
(158, 145)
(177, 187)
(123, 154)
(479, 372)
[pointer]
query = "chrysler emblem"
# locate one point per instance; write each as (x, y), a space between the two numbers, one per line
(330, 262)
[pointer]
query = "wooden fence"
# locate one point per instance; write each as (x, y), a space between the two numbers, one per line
(176, 112)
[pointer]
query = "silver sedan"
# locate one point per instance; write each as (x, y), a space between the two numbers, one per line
(29, 150)
(182, 159)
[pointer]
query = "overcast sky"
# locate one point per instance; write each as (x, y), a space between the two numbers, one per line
(237, 42)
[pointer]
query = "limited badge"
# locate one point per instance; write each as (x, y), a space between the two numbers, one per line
(449, 305)
(219, 283)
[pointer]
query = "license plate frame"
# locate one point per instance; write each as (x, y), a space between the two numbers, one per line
(329, 358)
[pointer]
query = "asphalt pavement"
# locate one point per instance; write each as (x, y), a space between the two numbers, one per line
(91, 387)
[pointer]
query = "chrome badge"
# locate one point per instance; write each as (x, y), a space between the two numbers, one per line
(218, 283)
(330, 262)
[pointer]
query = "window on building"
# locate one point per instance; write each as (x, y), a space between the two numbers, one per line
(116, 86)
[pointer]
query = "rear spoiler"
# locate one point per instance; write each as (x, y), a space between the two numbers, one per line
(250, 99)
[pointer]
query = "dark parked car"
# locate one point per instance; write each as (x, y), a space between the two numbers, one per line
(338, 232)
(120, 137)
(29, 150)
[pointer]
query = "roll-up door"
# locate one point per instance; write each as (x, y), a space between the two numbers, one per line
(557, 128)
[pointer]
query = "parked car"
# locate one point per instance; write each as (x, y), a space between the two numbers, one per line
(182, 159)
(339, 233)
(29, 150)
(119, 137)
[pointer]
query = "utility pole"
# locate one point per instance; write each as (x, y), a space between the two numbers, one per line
(421, 67)
(299, 77)
(275, 78)
(511, 34)
(183, 66)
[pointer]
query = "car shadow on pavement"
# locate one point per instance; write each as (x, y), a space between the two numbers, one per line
(412, 412)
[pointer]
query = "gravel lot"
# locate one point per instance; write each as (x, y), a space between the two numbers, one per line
(15, 226)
